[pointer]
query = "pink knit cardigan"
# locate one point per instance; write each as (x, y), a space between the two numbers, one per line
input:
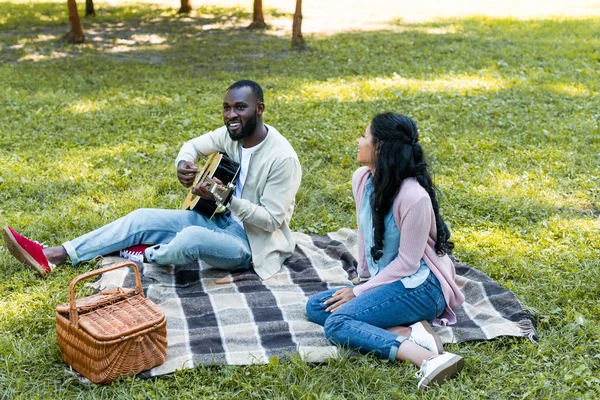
(415, 219)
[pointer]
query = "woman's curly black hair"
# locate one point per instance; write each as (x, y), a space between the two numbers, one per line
(399, 156)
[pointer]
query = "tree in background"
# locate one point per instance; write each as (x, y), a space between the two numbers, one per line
(75, 35)
(89, 8)
(186, 7)
(297, 39)
(258, 19)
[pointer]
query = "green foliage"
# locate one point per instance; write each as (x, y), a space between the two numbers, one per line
(508, 112)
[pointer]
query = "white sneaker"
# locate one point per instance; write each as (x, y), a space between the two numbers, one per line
(422, 334)
(439, 369)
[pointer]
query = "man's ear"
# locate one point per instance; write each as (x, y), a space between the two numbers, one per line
(260, 108)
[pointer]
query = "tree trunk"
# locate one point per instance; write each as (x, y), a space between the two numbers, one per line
(297, 39)
(258, 19)
(75, 35)
(89, 8)
(186, 7)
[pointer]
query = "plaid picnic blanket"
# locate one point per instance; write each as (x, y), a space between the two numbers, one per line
(249, 321)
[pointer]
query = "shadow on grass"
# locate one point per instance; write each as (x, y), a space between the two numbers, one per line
(48, 14)
(458, 47)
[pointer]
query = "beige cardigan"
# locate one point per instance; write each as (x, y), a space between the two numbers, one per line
(268, 197)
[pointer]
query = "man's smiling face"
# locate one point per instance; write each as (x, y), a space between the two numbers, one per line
(240, 112)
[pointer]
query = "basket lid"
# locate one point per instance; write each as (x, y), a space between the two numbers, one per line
(85, 304)
(121, 319)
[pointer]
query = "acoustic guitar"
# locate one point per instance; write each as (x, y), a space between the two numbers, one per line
(217, 166)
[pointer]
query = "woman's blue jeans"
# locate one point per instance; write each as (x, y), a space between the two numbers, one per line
(178, 236)
(360, 323)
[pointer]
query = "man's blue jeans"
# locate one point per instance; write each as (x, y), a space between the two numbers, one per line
(179, 237)
(360, 323)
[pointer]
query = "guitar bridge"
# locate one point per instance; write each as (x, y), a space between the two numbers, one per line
(221, 192)
(223, 168)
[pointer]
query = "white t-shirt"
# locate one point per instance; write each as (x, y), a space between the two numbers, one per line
(239, 186)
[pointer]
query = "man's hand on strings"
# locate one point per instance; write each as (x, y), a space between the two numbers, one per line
(339, 298)
(202, 189)
(186, 173)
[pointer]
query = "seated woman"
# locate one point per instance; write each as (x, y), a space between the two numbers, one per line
(402, 249)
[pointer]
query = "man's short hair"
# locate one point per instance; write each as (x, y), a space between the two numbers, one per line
(254, 88)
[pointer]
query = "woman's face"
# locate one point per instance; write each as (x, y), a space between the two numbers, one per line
(366, 151)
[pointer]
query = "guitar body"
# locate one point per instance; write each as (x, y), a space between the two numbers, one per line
(217, 166)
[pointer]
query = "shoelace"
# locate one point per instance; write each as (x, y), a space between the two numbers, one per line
(137, 256)
(423, 370)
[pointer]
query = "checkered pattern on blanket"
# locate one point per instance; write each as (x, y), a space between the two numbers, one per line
(250, 321)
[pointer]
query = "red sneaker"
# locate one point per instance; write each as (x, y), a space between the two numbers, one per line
(134, 253)
(27, 251)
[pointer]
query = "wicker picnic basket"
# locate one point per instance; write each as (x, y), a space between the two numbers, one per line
(112, 333)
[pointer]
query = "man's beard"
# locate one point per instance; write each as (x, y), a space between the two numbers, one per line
(247, 129)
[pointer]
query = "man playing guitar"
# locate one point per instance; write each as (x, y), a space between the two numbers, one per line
(255, 232)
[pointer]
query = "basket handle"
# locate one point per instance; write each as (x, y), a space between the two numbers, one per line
(73, 314)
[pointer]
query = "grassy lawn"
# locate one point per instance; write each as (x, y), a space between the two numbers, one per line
(508, 110)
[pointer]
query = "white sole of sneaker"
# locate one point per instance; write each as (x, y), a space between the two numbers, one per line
(443, 372)
(438, 342)
(17, 251)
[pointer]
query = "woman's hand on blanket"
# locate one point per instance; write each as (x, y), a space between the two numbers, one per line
(339, 298)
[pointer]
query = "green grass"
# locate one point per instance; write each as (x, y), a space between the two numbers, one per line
(509, 114)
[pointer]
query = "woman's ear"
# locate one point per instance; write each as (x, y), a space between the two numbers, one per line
(376, 147)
